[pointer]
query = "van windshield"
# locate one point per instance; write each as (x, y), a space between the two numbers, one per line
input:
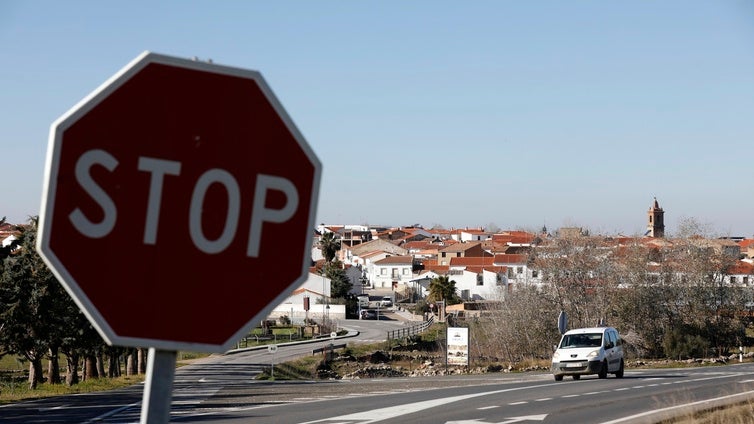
(581, 340)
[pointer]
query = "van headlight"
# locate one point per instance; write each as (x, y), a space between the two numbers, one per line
(593, 354)
(555, 356)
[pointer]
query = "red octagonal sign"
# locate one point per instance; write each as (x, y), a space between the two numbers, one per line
(179, 204)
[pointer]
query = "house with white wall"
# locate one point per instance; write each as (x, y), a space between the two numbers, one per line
(477, 278)
(350, 254)
(317, 289)
(518, 271)
(460, 250)
(473, 235)
(391, 272)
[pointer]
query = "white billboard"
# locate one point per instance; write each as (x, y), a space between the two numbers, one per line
(458, 346)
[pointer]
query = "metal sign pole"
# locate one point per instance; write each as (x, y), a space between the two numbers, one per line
(158, 387)
(272, 349)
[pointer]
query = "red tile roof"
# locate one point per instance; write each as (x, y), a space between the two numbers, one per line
(417, 245)
(741, 268)
(439, 269)
(460, 247)
(746, 243)
(479, 269)
(398, 260)
(472, 261)
(514, 237)
(507, 258)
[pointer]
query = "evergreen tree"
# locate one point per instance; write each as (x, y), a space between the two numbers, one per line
(26, 288)
(329, 245)
(340, 284)
(38, 317)
(443, 288)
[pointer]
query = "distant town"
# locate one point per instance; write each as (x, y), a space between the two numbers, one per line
(486, 263)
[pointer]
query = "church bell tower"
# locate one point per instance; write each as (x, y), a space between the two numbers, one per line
(655, 221)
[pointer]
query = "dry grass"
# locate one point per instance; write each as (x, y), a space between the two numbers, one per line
(742, 413)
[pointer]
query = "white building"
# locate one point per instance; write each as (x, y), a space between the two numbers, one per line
(391, 272)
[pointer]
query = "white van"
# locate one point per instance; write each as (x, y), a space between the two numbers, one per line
(363, 300)
(586, 351)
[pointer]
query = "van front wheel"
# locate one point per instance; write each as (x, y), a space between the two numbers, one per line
(619, 374)
(603, 370)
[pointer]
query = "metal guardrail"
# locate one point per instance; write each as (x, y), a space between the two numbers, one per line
(328, 348)
(410, 331)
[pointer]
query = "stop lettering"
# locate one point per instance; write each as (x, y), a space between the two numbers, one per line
(158, 169)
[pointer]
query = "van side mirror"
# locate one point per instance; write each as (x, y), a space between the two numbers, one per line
(554, 348)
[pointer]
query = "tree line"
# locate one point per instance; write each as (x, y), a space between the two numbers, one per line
(39, 322)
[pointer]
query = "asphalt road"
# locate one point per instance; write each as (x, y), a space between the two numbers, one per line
(222, 389)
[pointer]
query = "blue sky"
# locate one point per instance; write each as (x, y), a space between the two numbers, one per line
(517, 113)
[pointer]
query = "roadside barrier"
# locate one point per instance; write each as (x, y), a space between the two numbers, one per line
(404, 333)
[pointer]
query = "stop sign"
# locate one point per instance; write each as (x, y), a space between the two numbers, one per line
(179, 204)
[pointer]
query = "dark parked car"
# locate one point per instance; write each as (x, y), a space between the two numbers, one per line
(368, 314)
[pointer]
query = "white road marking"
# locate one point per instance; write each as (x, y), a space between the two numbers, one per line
(385, 414)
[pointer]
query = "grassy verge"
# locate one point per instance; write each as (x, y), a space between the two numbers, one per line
(14, 385)
(16, 390)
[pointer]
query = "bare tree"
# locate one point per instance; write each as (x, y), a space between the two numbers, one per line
(579, 276)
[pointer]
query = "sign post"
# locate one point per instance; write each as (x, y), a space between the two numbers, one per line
(272, 349)
(158, 386)
(187, 190)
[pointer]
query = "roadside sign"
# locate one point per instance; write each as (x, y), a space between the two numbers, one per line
(562, 322)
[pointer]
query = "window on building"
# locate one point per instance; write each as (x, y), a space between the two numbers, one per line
(480, 280)
(405, 271)
(746, 281)
(733, 279)
(519, 270)
(383, 271)
(535, 273)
